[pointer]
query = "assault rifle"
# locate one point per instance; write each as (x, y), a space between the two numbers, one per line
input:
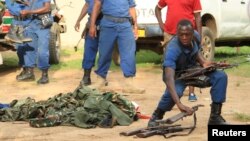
(198, 70)
(197, 76)
(164, 127)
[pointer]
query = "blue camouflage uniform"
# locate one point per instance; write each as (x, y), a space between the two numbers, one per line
(15, 9)
(115, 26)
(90, 44)
(179, 58)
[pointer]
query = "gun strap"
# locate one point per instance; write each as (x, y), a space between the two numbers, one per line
(190, 131)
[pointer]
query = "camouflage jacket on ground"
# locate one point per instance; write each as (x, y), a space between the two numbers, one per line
(85, 108)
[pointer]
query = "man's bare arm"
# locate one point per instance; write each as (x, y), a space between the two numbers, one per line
(81, 16)
(197, 16)
(158, 17)
(42, 10)
(202, 61)
(94, 15)
(170, 73)
(132, 12)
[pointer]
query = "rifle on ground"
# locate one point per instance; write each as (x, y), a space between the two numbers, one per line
(179, 116)
(164, 128)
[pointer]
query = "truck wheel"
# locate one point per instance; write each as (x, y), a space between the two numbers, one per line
(208, 44)
(116, 56)
(54, 44)
(1, 59)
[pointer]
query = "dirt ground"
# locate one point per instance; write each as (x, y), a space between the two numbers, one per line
(62, 81)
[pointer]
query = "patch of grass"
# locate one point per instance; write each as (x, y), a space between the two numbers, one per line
(76, 62)
(230, 55)
(144, 59)
(65, 52)
(66, 65)
(242, 117)
(147, 57)
(10, 60)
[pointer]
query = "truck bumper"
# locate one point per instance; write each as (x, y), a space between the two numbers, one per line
(149, 30)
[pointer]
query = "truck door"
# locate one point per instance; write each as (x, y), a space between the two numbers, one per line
(245, 18)
(231, 20)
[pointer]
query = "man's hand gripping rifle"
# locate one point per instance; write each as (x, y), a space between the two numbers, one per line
(197, 76)
(164, 127)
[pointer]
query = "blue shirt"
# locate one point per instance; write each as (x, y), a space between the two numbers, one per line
(90, 7)
(178, 57)
(117, 8)
(14, 7)
(38, 3)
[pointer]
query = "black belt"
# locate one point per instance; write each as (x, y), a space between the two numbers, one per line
(116, 19)
(19, 18)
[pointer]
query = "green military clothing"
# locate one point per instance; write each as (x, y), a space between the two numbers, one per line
(85, 108)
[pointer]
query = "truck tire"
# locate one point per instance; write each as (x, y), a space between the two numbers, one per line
(1, 59)
(208, 44)
(54, 44)
(116, 55)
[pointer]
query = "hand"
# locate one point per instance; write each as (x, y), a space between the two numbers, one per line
(92, 31)
(223, 64)
(77, 26)
(185, 109)
(24, 13)
(162, 27)
(208, 64)
(135, 32)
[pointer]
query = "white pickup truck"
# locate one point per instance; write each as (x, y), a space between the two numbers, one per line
(225, 23)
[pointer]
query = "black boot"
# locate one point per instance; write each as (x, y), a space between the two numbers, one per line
(44, 79)
(27, 76)
(215, 115)
(12, 35)
(157, 115)
(86, 80)
(22, 73)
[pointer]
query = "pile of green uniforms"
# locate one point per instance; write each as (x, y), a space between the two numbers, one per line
(85, 108)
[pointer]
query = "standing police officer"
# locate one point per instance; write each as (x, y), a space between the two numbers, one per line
(116, 26)
(37, 51)
(15, 9)
(90, 44)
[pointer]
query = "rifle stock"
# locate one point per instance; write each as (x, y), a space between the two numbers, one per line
(179, 116)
